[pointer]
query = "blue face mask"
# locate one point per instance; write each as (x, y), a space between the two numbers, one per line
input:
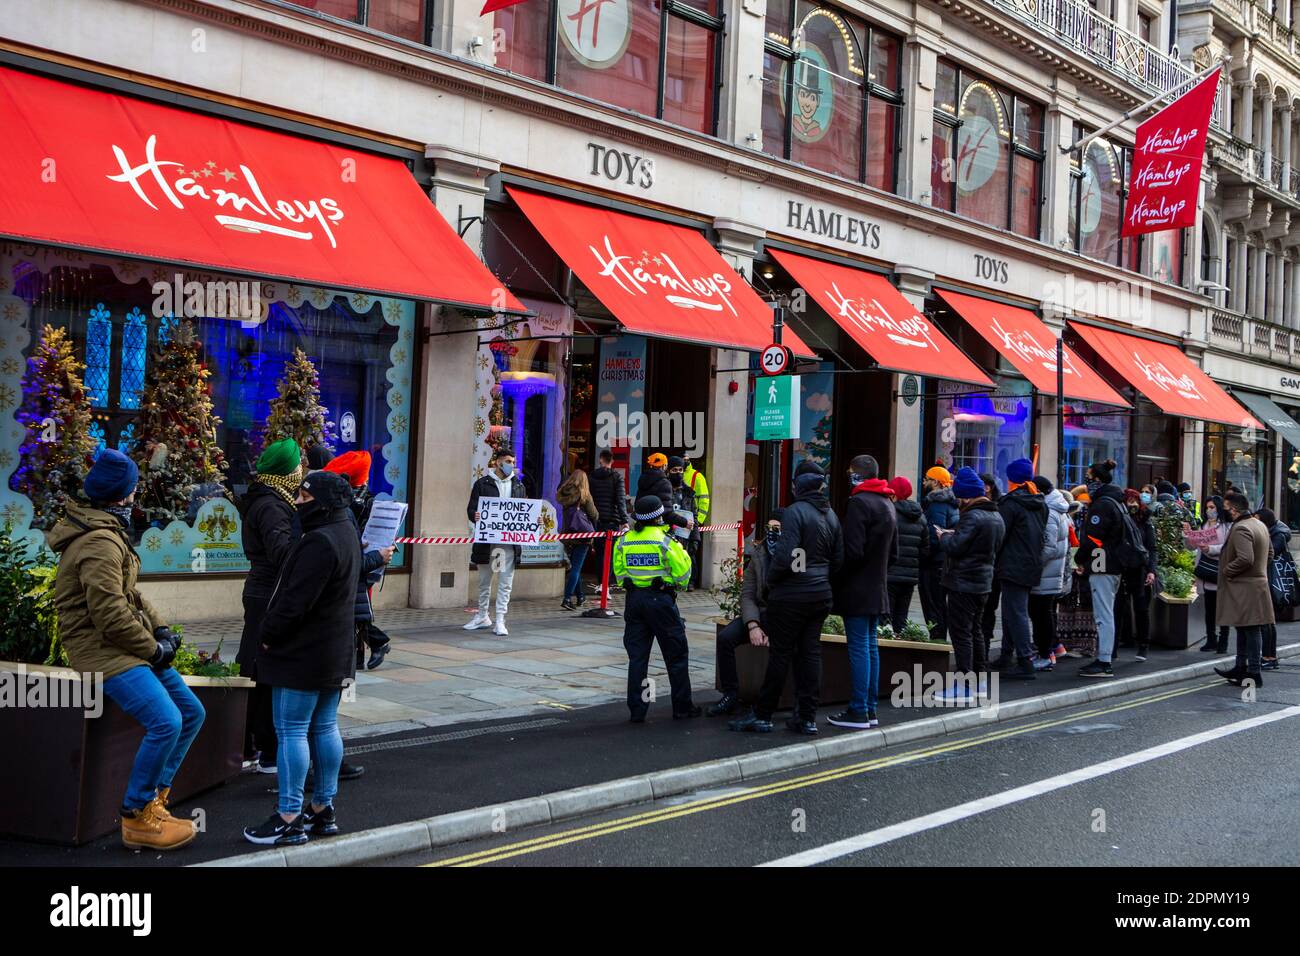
(507, 470)
(1146, 497)
(1187, 496)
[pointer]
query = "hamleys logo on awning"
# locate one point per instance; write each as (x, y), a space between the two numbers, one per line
(1158, 373)
(871, 316)
(1025, 345)
(239, 191)
(639, 276)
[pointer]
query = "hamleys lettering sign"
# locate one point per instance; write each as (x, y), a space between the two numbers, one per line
(240, 193)
(871, 316)
(1026, 345)
(657, 273)
(1158, 374)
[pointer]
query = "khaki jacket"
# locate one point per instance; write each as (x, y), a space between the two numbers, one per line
(1244, 597)
(106, 625)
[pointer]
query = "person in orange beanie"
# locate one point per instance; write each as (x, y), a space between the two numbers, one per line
(355, 467)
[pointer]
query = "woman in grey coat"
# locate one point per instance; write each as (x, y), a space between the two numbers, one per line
(1055, 579)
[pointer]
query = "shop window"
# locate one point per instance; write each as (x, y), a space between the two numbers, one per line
(362, 348)
(988, 152)
(1290, 512)
(831, 94)
(1095, 432)
(1098, 195)
(1232, 462)
(399, 18)
(660, 58)
(984, 430)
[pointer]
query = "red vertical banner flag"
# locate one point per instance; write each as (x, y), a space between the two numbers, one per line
(1166, 175)
(493, 5)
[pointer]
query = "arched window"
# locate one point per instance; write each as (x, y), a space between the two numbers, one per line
(99, 354)
(135, 347)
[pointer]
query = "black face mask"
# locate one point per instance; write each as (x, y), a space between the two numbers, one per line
(310, 511)
(122, 513)
(772, 538)
(675, 480)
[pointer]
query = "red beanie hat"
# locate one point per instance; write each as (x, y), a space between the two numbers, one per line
(902, 488)
(352, 465)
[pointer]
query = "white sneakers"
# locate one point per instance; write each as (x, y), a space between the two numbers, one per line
(482, 620)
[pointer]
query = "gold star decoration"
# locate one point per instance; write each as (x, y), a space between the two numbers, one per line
(228, 175)
(399, 424)
(167, 560)
(399, 356)
(210, 164)
(153, 544)
(7, 396)
(205, 172)
(177, 536)
(10, 366)
(396, 398)
(194, 174)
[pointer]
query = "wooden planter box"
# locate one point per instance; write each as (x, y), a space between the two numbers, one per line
(896, 656)
(1169, 622)
(67, 772)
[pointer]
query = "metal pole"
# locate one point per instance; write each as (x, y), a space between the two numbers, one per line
(1060, 410)
(1142, 107)
(772, 447)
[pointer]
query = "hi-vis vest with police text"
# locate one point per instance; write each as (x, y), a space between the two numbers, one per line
(650, 553)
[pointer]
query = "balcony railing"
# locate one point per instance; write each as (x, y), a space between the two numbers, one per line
(1254, 336)
(1077, 25)
(1276, 177)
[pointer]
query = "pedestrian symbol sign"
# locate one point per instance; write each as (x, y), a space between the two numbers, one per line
(776, 408)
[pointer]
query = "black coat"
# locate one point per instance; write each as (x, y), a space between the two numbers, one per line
(913, 543)
(486, 487)
(270, 528)
(970, 551)
(809, 524)
(870, 547)
(1020, 560)
(1102, 530)
(941, 510)
(607, 492)
(654, 481)
(308, 633)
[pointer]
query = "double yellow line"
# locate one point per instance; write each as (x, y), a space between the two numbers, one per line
(595, 830)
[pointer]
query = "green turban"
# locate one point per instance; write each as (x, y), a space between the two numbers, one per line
(280, 458)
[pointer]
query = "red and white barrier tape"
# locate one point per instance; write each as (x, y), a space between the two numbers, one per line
(571, 536)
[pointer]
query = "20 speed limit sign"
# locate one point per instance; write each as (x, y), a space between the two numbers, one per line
(776, 359)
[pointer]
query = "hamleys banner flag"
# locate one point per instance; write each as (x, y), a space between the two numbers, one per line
(655, 277)
(95, 170)
(1167, 158)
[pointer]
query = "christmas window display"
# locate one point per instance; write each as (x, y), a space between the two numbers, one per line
(520, 403)
(984, 430)
(92, 355)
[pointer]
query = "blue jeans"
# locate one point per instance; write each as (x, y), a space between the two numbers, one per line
(171, 716)
(864, 662)
(573, 581)
(306, 723)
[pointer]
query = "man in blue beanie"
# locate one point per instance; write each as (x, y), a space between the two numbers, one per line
(111, 632)
(1020, 565)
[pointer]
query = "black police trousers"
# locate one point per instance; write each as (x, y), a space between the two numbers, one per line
(649, 615)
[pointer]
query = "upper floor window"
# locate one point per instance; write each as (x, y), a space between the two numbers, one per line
(661, 58)
(399, 18)
(988, 152)
(832, 96)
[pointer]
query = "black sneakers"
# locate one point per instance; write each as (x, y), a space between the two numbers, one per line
(377, 654)
(751, 723)
(275, 832)
(798, 725)
(726, 705)
(695, 711)
(852, 720)
(323, 823)
(1097, 669)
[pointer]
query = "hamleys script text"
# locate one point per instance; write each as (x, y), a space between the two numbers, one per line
(871, 316)
(1159, 374)
(1027, 347)
(707, 292)
(1161, 142)
(323, 211)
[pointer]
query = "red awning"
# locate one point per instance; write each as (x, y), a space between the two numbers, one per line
(1029, 345)
(1166, 376)
(879, 319)
(99, 171)
(657, 278)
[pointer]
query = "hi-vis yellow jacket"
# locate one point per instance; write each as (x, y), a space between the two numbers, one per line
(642, 556)
(695, 481)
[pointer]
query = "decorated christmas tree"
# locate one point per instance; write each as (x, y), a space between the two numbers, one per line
(297, 412)
(57, 449)
(819, 446)
(176, 432)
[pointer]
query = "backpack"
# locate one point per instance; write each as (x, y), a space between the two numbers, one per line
(1131, 552)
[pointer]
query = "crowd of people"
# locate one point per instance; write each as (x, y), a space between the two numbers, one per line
(308, 627)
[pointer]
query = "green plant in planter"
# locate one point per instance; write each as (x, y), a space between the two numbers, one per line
(1183, 561)
(27, 616)
(885, 631)
(727, 594)
(834, 624)
(192, 662)
(1177, 582)
(916, 631)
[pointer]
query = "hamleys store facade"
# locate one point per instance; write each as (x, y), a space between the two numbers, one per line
(640, 254)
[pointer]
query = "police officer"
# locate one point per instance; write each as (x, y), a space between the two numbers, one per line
(651, 566)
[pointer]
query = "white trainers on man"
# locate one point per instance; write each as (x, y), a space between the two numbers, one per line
(478, 620)
(500, 629)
